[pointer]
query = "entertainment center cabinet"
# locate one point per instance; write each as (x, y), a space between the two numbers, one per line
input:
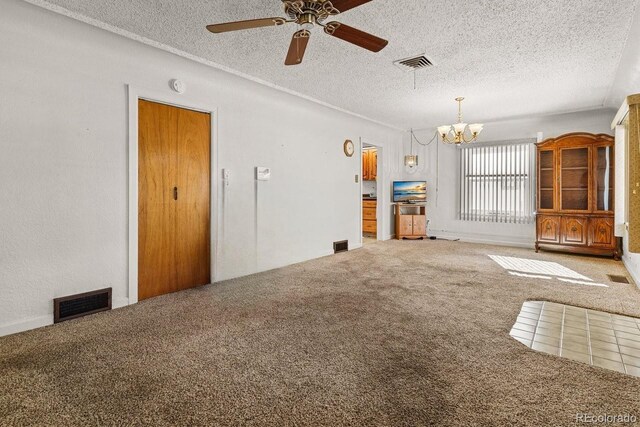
(410, 220)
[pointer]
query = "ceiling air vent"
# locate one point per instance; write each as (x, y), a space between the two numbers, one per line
(413, 63)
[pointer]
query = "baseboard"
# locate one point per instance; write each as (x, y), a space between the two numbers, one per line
(119, 302)
(632, 268)
(485, 239)
(46, 320)
(26, 325)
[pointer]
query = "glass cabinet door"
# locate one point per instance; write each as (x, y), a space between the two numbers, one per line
(574, 179)
(603, 169)
(546, 174)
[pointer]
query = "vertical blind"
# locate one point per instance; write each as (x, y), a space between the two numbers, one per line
(496, 183)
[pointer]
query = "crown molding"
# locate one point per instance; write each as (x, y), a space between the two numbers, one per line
(135, 37)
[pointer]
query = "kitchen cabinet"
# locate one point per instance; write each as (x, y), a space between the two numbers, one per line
(369, 164)
(369, 216)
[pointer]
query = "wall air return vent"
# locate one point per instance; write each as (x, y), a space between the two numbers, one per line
(342, 246)
(617, 279)
(73, 306)
(413, 63)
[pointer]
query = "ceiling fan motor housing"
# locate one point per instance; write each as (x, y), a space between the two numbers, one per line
(308, 13)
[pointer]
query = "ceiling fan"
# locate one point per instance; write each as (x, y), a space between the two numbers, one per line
(307, 14)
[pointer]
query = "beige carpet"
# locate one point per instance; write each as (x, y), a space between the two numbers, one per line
(394, 334)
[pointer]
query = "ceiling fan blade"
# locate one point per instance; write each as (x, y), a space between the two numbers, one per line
(245, 25)
(298, 47)
(344, 5)
(355, 36)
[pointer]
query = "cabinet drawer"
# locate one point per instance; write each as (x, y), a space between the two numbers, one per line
(369, 213)
(548, 229)
(369, 226)
(369, 203)
(574, 230)
(601, 233)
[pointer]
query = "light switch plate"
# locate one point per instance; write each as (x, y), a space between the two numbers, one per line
(263, 174)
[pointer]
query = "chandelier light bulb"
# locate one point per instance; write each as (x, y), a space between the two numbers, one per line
(459, 127)
(444, 130)
(476, 128)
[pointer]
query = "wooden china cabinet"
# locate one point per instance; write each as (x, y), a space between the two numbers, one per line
(575, 194)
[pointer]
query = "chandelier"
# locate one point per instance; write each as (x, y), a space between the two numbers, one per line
(457, 133)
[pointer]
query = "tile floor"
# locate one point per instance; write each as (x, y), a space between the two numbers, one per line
(367, 240)
(597, 338)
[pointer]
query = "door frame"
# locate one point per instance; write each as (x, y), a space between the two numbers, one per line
(380, 180)
(180, 101)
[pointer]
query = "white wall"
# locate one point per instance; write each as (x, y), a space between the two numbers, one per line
(442, 199)
(63, 163)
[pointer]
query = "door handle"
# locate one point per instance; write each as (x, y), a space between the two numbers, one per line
(175, 193)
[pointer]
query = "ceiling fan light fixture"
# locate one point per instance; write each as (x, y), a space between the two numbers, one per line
(307, 21)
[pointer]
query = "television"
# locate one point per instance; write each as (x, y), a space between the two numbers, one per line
(409, 191)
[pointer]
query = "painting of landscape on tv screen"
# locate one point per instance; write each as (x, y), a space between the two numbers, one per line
(410, 191)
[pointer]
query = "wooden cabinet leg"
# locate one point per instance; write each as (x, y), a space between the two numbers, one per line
(537, 247)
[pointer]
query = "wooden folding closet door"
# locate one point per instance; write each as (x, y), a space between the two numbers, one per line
(173, 199)
(193, 180)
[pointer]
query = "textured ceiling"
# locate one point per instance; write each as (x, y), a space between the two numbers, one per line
(509, 58)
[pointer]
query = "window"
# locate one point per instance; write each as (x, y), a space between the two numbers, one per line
(496, 183)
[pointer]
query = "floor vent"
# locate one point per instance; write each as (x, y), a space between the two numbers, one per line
(413, 63)
(74, 306)
(342, 246)
(617, 279)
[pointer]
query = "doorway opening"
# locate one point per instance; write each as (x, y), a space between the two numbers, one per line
(371, 179)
